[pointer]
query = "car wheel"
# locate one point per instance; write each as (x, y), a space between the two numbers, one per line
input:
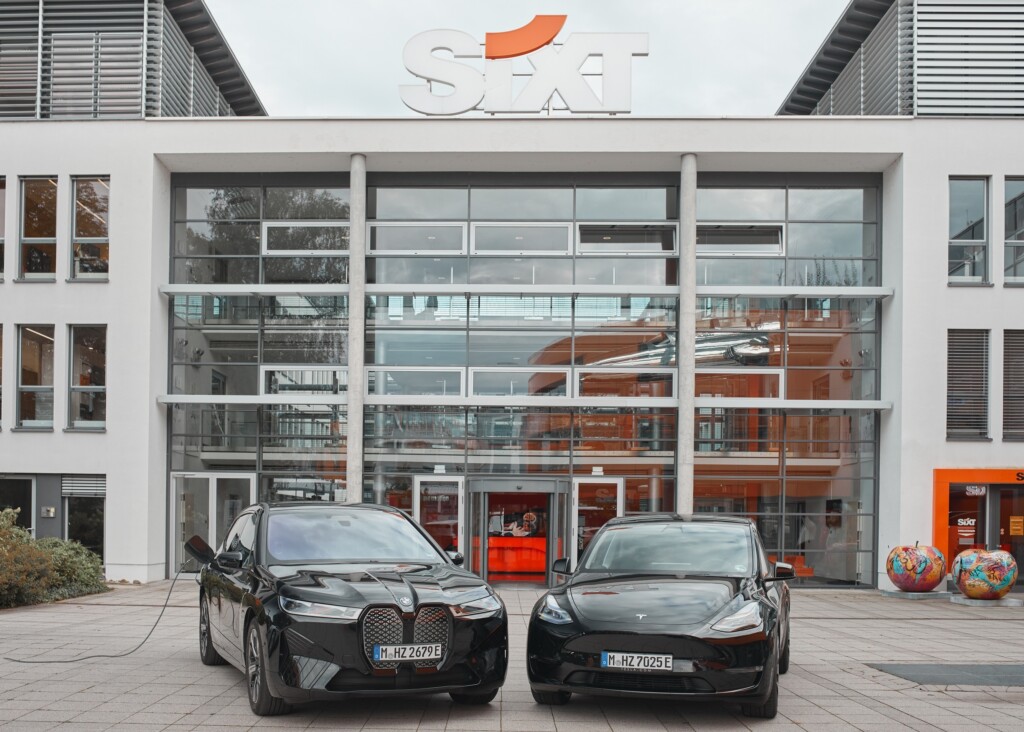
(770, 708)
(784, 657)
(470, 697)
(207, 653)
(260, 700)
(557, 698)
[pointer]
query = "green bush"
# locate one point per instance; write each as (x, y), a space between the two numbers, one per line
(49, 569)
(26, 570)
(76, 570)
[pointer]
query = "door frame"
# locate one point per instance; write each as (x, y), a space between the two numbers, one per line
(574, 512)
(211, 488)
(460, 508)
(479, 489)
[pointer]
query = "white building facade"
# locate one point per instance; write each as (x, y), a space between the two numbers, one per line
(534, 295)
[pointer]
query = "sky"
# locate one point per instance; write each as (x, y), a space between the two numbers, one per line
(343, 58)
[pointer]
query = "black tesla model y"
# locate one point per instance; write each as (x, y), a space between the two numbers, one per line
(316, 601)
(666, 606)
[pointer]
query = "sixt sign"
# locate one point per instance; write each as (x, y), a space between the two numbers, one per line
(554, 70)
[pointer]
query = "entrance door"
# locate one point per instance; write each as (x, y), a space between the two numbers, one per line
(516, 528)
(595, 501)
(1011, 521)
(206, 504)
(437, 506)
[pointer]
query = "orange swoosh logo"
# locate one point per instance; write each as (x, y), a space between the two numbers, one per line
(538, 32)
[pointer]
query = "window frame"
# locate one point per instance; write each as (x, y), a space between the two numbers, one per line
(1008, 244)
(3, 223)
(624, 252)
(73, 388)
(26, 241)
(35, 424)
(985, 277)
(88, 240)
(340, 371)
(266, 225)
(530, 253)
(371, 252)
(741, 253)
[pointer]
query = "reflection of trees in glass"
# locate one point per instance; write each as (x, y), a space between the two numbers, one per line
(92, 199)
(828, 273)
(40, 210)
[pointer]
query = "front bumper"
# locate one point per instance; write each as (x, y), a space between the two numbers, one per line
(323, 659)
(568, 658)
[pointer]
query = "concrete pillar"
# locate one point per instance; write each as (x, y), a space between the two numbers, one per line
(356, 326)
(687, 330)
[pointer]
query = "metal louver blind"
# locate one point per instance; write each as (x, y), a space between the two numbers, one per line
(1013, 385)
(83, 485)
(967, 383)
(19, 56)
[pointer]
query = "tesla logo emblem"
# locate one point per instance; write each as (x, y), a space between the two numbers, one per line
(499, 88)
(641, 616)
(405, 601)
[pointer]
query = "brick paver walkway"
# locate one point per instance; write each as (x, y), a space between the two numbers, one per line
(830, 686)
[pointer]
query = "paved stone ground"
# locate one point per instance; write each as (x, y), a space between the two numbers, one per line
(830, 686)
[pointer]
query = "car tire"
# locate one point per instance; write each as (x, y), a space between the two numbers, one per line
(261, 701)
(556, 698)
(207, 653)
(472, 698)
(784, 656)
(769, 708)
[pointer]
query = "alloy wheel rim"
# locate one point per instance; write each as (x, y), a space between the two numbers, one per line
(253, 666)
(204, 627)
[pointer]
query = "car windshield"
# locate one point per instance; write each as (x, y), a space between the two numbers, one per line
(676, 547)
(331, 536)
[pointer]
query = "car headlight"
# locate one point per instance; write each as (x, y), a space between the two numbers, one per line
(481, 606)
(747, 617)
(552, 612)
(319, 609)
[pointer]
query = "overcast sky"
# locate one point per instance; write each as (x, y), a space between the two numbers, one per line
(344, 57)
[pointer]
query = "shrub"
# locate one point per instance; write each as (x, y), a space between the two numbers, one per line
(48, 569)
(26, 570)
(76, 570)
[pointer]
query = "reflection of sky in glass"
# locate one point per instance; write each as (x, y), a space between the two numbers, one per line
(422, 204)
(966, 207)
(832, 204)
(1014, 209)
(521, 204)
(741, 204)
(622, 204)
(831, 240)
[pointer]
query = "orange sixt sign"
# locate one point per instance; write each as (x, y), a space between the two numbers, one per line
(554, 70)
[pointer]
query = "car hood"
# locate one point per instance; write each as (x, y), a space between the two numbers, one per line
(682, 601)
(358, 585)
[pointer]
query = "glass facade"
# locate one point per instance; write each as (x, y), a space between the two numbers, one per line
(486, 408)
(91, 238)
(968, 230)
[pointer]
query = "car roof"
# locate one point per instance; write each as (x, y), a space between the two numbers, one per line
(697, 518)
(321, 505)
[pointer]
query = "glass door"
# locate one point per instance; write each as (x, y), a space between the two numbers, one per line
(437, 506)
(1011, 522)
(596, 500)
(205, 505)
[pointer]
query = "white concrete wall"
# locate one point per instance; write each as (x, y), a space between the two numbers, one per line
(916, 157)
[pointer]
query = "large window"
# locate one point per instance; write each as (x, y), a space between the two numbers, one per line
(523, 236)
(967, 384)
(1013, 385)
(91, 237)
(787, 236)
(968, 230)
(35, 376)
(1014, 231)
(261, 234)
(39, 228)
(3, 222)
(87, 398)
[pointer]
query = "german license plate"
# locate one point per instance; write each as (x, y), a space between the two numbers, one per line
(417, 652)
(636, 661)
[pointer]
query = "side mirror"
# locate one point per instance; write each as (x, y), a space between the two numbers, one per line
(783, 571)
(457, 559)
(229, 560)
(561, 566)
(199, 550)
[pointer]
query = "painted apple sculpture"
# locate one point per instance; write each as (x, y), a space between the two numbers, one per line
(916, 568)
(984, 575)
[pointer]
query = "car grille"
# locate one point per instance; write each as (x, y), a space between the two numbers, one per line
(641, 682)
(384, 625)
(431, 626)
(381, 625)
